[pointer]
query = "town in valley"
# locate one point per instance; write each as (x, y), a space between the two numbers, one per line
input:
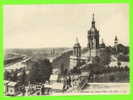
(95, 69)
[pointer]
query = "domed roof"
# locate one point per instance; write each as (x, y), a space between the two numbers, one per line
(76, 45)
(102, 45)
(93, 29)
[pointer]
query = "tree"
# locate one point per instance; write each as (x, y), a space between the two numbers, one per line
(23, 78)
(105, 56)
(40, 70)
(119, 63)
(96, 60)
(14, 76)
(6, 75)
(75, 70)
(123, 57)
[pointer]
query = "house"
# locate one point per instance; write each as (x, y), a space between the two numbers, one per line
(12, 88)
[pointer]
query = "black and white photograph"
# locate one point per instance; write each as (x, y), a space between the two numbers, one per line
(66, 49)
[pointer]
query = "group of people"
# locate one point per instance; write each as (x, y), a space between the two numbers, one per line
(71, 82)
(66, 83)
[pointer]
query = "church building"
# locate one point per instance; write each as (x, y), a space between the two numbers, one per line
(93, 47)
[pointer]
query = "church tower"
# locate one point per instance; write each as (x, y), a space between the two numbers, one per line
(77, 49)
(93, 39)
(116, 44)
(76, 57)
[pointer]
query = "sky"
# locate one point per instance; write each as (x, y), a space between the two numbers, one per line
(58, 25)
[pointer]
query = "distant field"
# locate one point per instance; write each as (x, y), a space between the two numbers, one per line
(40, 52)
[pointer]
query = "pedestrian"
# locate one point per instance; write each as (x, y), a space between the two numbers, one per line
(65, 84)
(43, 90)
(23, 91)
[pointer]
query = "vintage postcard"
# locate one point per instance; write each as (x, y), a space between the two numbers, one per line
(66, 49)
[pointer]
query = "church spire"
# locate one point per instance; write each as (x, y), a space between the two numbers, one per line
(102, 43)
(116, 44)
(93, 20)
(116, 39)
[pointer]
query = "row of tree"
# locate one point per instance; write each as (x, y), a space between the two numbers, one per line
(39, 71)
